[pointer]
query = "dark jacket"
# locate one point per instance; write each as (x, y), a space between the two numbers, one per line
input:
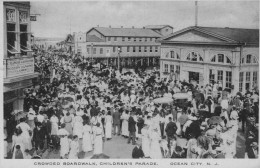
(131, 124)
(39, 135)
(171, 129)
(116, 118)
(137, 153)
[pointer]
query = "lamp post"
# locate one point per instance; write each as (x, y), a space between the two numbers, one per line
(91, 52)
(118, 62)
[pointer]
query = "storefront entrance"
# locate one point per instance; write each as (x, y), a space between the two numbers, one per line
(194, 76)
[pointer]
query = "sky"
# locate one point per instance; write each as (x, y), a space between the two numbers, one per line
(59, 18)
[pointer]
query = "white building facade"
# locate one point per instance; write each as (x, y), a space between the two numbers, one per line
(225, 55)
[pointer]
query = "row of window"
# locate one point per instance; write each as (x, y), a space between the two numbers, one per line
(131, 39)
(248, 82)
(128, 49)
(166, 68)
(248, 59)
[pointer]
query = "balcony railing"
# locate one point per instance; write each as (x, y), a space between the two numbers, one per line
(15, 67)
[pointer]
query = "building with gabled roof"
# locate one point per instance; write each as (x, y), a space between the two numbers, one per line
(206, 55)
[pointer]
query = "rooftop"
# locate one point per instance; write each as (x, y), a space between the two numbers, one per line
(93, 38)
(126, 32)
(235, 35)
(157, 26)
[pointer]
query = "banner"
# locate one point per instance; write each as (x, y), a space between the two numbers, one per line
(18, 67)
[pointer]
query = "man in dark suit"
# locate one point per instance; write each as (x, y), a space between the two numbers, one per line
(137, 152)
(131, 129)
(170, 130)
(116, 122)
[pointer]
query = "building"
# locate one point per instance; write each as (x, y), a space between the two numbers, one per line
(18, 62)
(207, 54)
(134, 46)
(46, 42)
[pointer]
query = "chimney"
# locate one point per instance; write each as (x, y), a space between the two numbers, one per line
(109, 26)
(122, 27)
(133, 27)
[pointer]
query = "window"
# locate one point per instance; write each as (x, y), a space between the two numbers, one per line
(145, 49)
(193, 56)
(94, 50)
(151, 39)
(11, 40)
(254, 78)
(156, 49)
(127, 49)
(213, 59)
(243, 60)
(108, 51)
(178, 68)
(248, 59)
(221, 58)
(172, 54)
(88, 50)
(211, 76)
(151, 49)
(220, 76)
(109, 39)
(165, 67)
(123, 39)
(254, 60)
(241, 75)
(140, 49)
(114, 49)
(129, 38)
(101, 50)
(145, 39)
(115, 38)
(134, 39)
(171, 68)
(10, 15)
(133, 49)
(248, 76)
(228, 79)
(228, 60)
(140, 39)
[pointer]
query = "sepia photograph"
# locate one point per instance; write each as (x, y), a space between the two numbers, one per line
(130, 80)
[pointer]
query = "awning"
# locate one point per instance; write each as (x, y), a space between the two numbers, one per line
(13, 50)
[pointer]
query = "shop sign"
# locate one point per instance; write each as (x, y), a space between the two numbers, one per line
(21, 66)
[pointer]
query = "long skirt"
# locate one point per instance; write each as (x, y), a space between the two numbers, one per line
(125, 131)
(87, 142)
(155, 152)
(98, 145)
(108, 129)
(64, 146)
(146, 146)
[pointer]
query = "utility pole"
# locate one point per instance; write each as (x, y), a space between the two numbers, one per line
(118, 62)
(196, 13)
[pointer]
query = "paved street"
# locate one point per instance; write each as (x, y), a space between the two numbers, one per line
(117, 148)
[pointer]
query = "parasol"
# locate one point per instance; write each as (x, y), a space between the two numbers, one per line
(163, 100)
(181, 96)
(214, 120)
(70, 99)
(128, 73)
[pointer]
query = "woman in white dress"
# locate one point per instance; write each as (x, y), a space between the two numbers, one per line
(26, 130)
(125, 117)
(78, 126)
(108, 127)
(145, 141)
(98, 141)
(64, 141)
(87, 140)
(18, 139)
(54, 130)
(31, 116)
(74, 148)
(155, 150)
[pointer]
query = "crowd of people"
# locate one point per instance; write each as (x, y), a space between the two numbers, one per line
(83, 106)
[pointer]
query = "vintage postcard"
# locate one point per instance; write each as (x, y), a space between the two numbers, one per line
(130, 83)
